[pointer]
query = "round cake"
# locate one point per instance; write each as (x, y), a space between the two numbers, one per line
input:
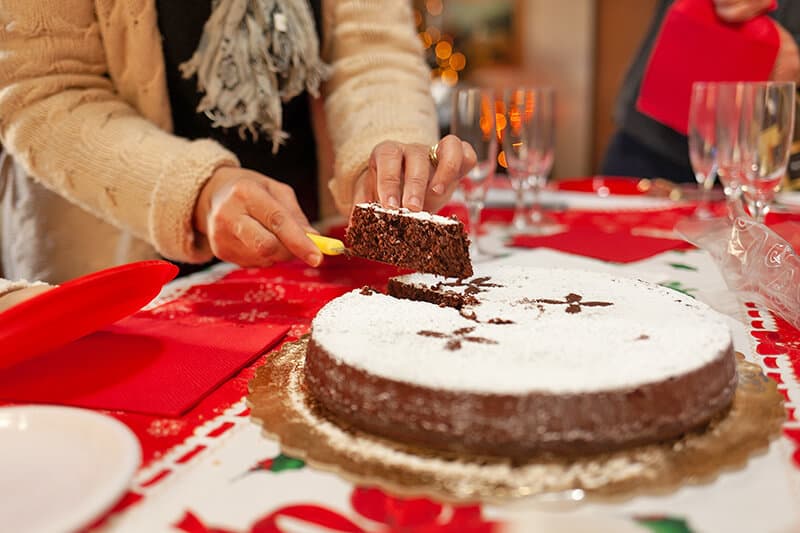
(521, 361)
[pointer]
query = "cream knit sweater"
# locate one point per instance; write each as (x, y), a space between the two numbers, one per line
(95, 178)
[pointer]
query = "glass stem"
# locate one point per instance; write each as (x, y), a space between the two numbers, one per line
(759, 209)
(519, 185)
(733, 197)
(535, 214)
(474, 207)
(704, 209)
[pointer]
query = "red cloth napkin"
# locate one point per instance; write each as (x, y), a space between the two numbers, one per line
(695, 45)
(790, 231)
(619, 247)
(164, 361)
(153, 362)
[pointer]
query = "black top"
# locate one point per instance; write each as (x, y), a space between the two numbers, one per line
(181, 24)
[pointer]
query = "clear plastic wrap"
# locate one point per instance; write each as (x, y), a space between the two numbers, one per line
(752, 258)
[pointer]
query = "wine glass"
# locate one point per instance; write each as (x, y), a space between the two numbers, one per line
(473, 121)
(730, 163)
(703, 141)
(515, 103)
(541, 134)
(766, 130)
(529, 146)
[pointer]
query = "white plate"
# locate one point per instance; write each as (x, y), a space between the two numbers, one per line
(61, 467)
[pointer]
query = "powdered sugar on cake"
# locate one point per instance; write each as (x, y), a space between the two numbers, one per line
(421, 215)
(534, 330)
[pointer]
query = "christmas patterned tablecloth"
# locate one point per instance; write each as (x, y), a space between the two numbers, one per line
(211, 470)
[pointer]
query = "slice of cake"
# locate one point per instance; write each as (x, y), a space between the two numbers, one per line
(447, 292)
(418, 241)
(541, 360)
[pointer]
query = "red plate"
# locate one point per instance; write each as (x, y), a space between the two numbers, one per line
(79, 307)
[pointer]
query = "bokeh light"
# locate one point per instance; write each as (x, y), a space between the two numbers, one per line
(500, 121)
(426, 39)
(434, 7)
(458, 61)
(450, 77)
(443, 49)
(501, 159)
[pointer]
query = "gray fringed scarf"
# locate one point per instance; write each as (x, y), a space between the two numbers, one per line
(254, 55)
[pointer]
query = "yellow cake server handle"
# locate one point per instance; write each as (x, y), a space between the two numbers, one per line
(327, 245)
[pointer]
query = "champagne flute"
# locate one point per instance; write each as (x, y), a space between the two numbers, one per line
(703, 141)
(541, 134)
(767, 126)
(730, 162)
(473, 121)
(515, 103)
(528, 143)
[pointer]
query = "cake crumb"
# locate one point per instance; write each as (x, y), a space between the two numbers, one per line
(500, 321)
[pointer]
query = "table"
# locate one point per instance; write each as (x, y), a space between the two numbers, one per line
(211, 470)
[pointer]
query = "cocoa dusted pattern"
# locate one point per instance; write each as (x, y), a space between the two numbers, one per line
(399, 238)
(455, 338)
(574, 303)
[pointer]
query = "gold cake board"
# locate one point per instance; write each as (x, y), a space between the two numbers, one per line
(280, 403)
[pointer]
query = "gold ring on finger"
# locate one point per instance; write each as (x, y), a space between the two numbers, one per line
(433, 154)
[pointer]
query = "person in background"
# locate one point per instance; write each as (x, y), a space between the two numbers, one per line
(190, 129)
(643, 147)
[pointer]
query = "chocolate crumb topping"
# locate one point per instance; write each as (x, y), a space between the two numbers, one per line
(456, 337)
(469, 314)
(574, 303)
(473, 286)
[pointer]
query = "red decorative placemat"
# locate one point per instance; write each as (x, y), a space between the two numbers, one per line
(287, 295)
(141, 364)
(621, 247)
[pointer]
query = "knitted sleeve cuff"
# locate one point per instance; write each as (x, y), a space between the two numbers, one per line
(8, 286)
(174, 198)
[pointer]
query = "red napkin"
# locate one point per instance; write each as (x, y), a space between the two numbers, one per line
(695, 45)
(619, 247)
(149, 363)
(790, 231)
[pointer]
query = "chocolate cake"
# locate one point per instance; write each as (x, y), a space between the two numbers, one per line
(419, 241)
(521, 362)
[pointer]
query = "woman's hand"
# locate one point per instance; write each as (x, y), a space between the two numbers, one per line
(734, 11)
(402, 175)
(252, 220)
(14, 297)
(787, 64)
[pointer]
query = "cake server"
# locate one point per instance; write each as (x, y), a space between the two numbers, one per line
(327, 245)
